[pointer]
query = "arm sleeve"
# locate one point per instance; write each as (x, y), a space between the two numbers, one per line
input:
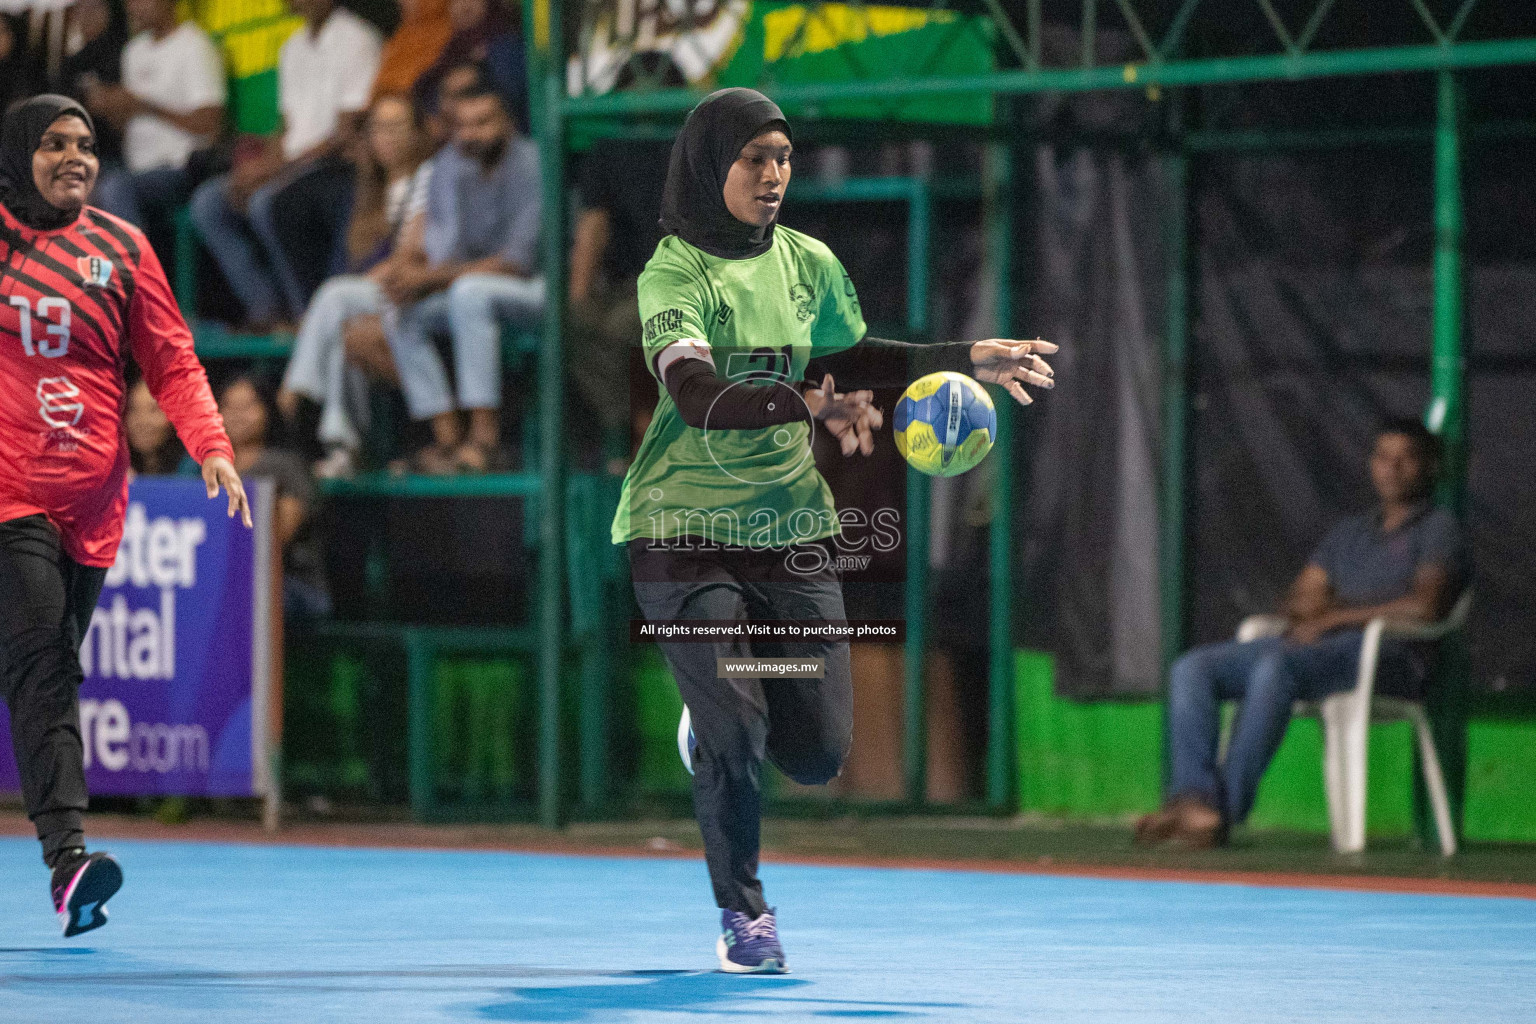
(883, 363)
(704, 398)
(162, 346)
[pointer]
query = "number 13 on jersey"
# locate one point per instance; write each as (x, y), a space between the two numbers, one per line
(54, 311)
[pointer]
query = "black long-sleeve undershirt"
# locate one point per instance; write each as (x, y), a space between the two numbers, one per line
(704, 398)
(883, 363)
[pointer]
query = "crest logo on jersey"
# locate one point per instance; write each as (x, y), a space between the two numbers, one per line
(94, 270)
(803, 298)
(57, 403)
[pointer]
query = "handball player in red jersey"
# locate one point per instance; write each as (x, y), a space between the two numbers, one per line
(82, 291)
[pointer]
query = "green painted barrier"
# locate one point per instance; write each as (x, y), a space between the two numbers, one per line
(658, 706)
(1501, 778)
(1101, 759)
(480, 708)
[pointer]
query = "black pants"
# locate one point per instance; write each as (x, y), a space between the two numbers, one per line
(46, 599)
(805, 726)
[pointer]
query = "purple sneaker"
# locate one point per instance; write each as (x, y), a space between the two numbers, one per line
(82, 884)
(748, 946)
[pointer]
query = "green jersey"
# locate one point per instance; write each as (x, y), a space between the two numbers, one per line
(760, 319)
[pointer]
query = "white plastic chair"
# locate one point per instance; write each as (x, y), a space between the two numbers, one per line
(1347, 718)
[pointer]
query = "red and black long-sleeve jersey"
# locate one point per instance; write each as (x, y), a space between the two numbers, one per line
(69, 301)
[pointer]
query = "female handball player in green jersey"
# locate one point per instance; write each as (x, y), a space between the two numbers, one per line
(723, 511)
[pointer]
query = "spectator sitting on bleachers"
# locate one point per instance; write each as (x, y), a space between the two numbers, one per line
(247, 419)
(21, 76)
(1404, 561)
(460, 79)
(298, 178)
(392, 177)
(170, 105)
(616, 233)
(153, 447)
(473, 266)
(94, 34)
(483, 34)
(424, 31)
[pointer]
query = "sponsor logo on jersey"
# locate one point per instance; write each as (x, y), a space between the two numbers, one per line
(663, 322)
(724, 316)
(57, 403)
(94, 271)
(803, 298)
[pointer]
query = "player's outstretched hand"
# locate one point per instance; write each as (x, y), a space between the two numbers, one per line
(1013, 364)
(852, 418)
(219, 472)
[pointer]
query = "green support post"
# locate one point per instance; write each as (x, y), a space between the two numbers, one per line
(419, 697)
(185, 281)
(997, 209)
(914, 714)
(914, 717)
(549, 53)
(919, 222)
(1447, 410)
(1447, 417)
(591, 630)
(1175, 406)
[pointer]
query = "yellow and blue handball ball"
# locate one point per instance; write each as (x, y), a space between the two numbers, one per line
(944, 424)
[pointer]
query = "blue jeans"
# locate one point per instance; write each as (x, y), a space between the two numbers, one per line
(471, 310)
(140, 196)
(1267, 676)
(318, 367)
(247, 246)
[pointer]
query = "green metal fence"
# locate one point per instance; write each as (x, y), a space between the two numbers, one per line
(1161, 71)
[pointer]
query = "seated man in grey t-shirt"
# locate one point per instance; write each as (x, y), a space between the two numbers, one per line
(1405, 560)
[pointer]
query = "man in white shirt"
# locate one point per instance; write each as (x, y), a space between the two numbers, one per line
(299, 180)
(170, 104)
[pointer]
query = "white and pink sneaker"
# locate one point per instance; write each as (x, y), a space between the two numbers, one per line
(82, 884)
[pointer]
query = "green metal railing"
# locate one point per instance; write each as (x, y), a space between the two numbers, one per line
(1160, 67)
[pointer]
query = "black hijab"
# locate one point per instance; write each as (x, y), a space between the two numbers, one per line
(20, 134)
(693, 203)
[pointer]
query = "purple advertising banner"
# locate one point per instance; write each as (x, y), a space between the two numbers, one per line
(175, 659)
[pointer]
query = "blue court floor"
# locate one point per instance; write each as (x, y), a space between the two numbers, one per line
(228, 933)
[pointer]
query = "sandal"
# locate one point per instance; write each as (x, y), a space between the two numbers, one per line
(475, 458)
(436, 460)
